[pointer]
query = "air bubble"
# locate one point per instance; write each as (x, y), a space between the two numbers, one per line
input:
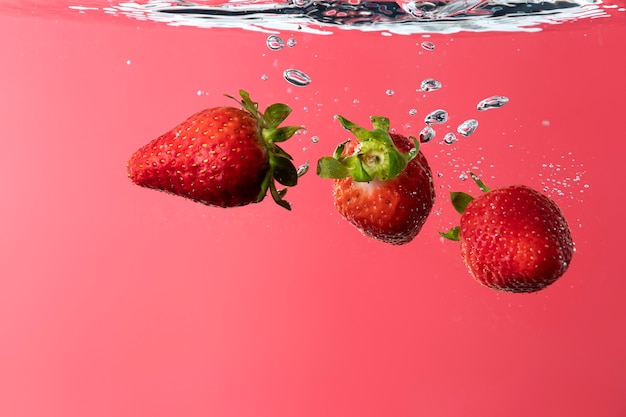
(430, 84)
(274, 42)
(264, 77)
(438, 116)
(315, 139)
(467, 127)
(296, 77)
(427, 134)
(413, 112)
(390, 92)
(492, 102)
(429, 46)
(449, 138)
(291, 42)
(303, 169)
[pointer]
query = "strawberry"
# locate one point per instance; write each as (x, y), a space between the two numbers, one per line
(513, 238)
(382, 182)
(222, 156)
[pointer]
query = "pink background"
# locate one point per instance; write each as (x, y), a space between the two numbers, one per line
(121, 301)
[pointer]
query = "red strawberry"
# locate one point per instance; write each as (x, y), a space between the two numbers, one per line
(382, 183)
(513, 238)
(222, 156)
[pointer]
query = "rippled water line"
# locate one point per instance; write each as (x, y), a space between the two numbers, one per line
(325, 17)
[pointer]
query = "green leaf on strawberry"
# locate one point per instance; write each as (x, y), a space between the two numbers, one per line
(376, 158)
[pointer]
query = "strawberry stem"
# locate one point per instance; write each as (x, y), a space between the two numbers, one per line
(281, 168)
(376, 156)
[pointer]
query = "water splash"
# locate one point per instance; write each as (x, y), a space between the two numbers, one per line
(400, 17)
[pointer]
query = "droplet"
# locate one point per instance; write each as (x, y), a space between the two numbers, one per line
(390, 92)
(449, 138)
(430, 84)
(291, 42)
(429, 46)
(315, 139)
(438, 116)
(427, 134)
(492, 102)
(264, 77)
(413, 112)
(274, 42)
(302, 169)
(467, 127)
(296, 77)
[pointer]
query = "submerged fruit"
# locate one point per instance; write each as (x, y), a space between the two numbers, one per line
(513, 238)
(222, 156)
(382, 183)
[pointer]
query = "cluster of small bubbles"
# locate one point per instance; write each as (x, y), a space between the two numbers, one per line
(554, 185)
(274, 42)
(291, 42)
(429, 46)
(315, 139)
(413, 112)
(202, 93)
(492, 102)
(427, 134)
(355, 101)
(467, 127)
(439, 174)
(296, 77)
(304, 149)
(438, 116)
(429, 84)
(390, 92)
(463, 176)
(303, 169)
(264, 77)
(305, 108)
(449, 138)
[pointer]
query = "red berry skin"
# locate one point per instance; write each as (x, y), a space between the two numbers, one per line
(215, 157)
(515, 239)
(392, 211)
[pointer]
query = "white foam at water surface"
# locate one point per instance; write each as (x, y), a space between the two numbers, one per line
(402, 17)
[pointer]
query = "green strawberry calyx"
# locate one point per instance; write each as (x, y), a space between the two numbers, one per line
(376, 156)
(282, 169)
(459, 201)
